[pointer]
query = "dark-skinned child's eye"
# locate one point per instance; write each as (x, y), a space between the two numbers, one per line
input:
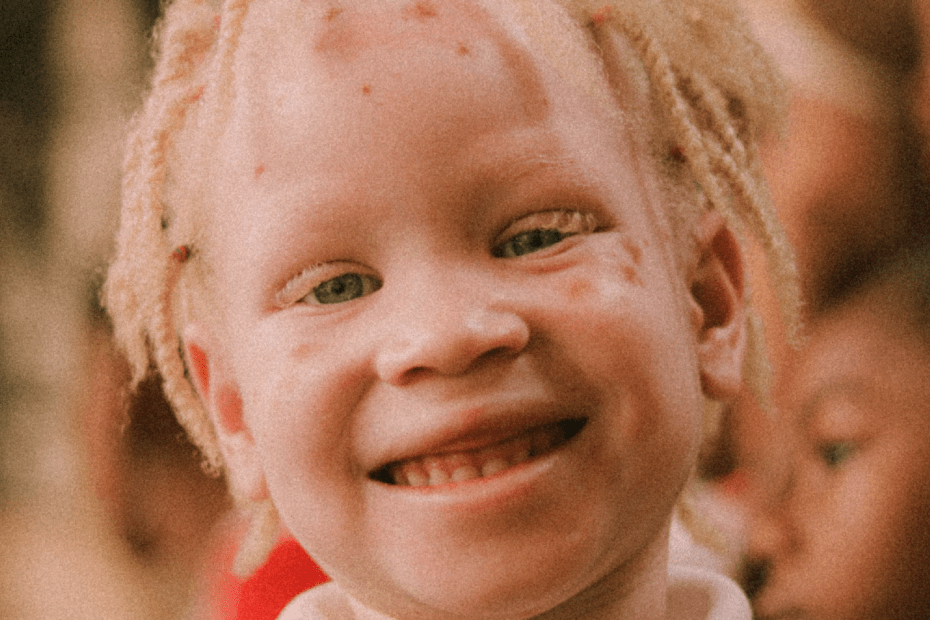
(836, 453)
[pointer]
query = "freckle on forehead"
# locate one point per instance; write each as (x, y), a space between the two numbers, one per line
(422, 9)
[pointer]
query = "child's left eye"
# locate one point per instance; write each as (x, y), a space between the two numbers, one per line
(541, 230)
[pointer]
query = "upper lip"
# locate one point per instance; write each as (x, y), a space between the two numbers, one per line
(478, 426)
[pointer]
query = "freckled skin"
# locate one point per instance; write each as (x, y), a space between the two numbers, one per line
(423, 10)
(578, 289)
(419, 191)
(636, 252)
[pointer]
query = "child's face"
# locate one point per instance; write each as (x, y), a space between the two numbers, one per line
(434, 261)
(849, 539)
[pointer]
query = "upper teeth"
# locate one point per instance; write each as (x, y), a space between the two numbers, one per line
(441, 469)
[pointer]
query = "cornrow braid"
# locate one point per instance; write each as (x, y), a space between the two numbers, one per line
(727, 170)
(141, 282)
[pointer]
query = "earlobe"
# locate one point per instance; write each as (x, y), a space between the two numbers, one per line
(223, 401)
(718, 307)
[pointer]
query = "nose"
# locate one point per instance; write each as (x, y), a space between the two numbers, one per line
(773, 533)
(449, 329)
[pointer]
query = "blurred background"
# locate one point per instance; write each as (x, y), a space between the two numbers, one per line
(104, 509)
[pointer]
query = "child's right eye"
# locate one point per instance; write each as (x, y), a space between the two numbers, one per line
(343, 288)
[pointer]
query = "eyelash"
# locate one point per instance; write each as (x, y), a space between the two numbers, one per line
(319, 285)
(526, 235)
(538, 231)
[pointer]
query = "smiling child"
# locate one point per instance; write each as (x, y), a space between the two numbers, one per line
(452, 283)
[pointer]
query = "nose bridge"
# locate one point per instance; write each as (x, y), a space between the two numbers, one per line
(445, 318)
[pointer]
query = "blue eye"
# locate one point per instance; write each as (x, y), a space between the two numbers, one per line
(539, 231)
(343, 288)
(836, 453)
(530, 241)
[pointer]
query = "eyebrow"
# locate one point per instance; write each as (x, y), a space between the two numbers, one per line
(845, 386)
(509, 167)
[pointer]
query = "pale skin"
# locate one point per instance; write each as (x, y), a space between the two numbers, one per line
(446, 259)
(846, 537)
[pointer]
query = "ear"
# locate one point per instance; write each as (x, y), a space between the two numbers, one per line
(223, 401)
(718, 307)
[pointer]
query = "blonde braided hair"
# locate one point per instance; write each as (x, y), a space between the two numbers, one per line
(139, 287)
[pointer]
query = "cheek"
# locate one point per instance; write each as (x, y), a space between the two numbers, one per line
(299, 410)
(620, 316)
(867, 540)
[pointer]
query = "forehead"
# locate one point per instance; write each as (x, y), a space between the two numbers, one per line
(866, 350)
(325, 100)
(304, 66)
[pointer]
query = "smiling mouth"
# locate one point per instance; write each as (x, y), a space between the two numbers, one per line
(438, 469)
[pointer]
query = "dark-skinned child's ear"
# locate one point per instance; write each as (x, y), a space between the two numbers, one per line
(718, 308)
(220, 396)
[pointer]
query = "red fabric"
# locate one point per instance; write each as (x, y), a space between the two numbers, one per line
(288, 572)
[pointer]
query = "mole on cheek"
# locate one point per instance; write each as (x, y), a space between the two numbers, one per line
(302, 352)
(422, 10)
(635, 252)
(578, 289)
(631, 275)
(366, 89)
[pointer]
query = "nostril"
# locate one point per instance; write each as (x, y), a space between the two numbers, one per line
(753, 575)
(449, 342)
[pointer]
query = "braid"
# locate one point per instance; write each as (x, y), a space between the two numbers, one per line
(222, 78)
(141, 282)
(725, 167)
(740, 166)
